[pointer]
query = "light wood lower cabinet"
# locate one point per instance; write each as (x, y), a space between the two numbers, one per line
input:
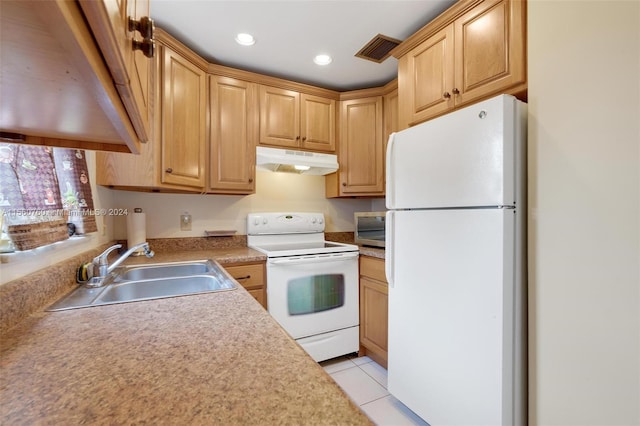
(374, 292)
(252, 277)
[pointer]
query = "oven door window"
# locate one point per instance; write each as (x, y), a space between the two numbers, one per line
(315, 293)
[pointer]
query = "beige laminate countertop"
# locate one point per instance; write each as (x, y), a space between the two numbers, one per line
(216, 358)
(372, 252)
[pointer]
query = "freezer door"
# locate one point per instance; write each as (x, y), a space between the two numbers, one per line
(465, 158)
(452, 286)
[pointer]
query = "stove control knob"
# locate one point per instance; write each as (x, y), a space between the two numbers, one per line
(320, 221)
(256, 221)
(313, 220)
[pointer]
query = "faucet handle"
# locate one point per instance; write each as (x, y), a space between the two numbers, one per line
(102, 258)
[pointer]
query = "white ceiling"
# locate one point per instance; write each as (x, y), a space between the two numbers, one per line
(290, 33)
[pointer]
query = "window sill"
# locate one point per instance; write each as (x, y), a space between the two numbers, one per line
(49, 249)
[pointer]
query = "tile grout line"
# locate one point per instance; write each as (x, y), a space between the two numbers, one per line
(359, 366)
(370, 404)
(374, 379)
(374, 400)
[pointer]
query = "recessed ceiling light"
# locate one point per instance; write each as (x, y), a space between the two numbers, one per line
(322, 59)
(245, 39)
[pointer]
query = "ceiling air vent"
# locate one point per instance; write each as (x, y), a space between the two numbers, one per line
(378, 49)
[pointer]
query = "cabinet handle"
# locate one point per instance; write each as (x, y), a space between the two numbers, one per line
(169, 170)
(344, 184)
(147, 46)
(246, 277)
(446, 95)
(455, 91)
(304, 139)
(297, 138)
(250, 180)
(144, 26)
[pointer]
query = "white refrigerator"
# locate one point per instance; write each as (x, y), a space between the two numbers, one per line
(456, 265)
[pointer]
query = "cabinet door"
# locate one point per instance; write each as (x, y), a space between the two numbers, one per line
(318, 125)
(130, 70)
(233, 135)
(279, 117)
(361, 157)
(374, 298)
(252, 278)
(391, 124)
(139, 67)
(490, 49)
(391, 118)
(425, 78)
(183, 121)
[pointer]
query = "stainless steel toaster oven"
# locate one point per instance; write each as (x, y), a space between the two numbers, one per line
(369, 230)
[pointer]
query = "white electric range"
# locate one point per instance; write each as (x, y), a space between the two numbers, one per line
(312, 284)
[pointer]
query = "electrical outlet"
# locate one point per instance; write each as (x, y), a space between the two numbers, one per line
(185, 222)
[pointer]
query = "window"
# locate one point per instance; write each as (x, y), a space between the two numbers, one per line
(45, 194)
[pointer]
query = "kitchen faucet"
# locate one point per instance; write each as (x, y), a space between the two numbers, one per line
(103, 267)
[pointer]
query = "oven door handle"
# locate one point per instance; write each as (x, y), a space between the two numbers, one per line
(318, 258)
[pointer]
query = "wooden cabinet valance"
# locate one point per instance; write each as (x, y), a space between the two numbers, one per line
(60, 81)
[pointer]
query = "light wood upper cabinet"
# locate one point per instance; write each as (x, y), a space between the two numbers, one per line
(53, 70)
(184, 104)
(279, 117)
(214, 154)
(291, 119)
(318, 123)
(233, 135)
(425, 78)
(473, 51)
(140, 71)
(391, 117)
(490, 49)
(130, 69)
(144, 172)
(361, 152)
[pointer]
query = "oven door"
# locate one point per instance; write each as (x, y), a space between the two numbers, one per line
(313, 294)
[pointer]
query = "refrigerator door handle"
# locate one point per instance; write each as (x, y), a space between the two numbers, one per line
(390, 199)
(389, 247)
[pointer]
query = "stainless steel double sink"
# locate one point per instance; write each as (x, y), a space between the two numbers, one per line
(152, 281)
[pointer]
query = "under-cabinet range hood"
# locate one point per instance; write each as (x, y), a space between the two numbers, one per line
(291, 161)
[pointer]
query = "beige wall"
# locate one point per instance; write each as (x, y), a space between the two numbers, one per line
(274, 192)
(584, 149)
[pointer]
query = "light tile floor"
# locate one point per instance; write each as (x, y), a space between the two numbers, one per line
(365, 382)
